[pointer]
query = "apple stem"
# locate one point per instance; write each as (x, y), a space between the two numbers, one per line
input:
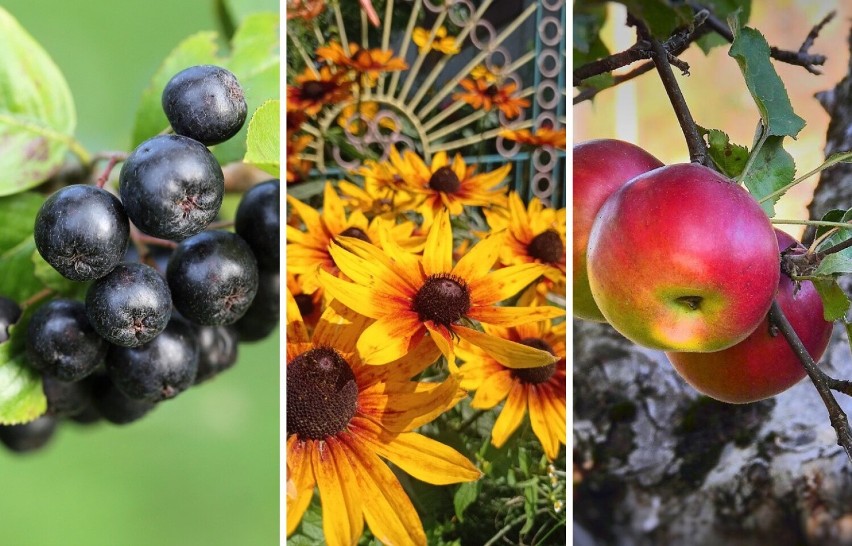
(821, 381)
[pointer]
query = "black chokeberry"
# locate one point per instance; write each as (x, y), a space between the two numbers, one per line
(82, 231)
(264, 313)
(258, 221)
(130, 306)
(65, 398)
(10, 312)
(171, 187)
(213, 278)
(206, 103)
(112, 404)
(28, 436)
(62, 343)
(158, 370)
(217, 350)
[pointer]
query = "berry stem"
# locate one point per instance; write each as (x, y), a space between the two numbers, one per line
(37, 297)
(140, 237)
(821, 381)
(102, 179)
(222, 224)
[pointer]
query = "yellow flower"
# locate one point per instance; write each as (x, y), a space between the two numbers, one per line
(480, 93)
(343, 418)
(449, 185)
(441, 42)
(544, 136)
(369, 63)
(481, 72)
(541, 391)
(317, 90)
(414, 297)
(308, 251)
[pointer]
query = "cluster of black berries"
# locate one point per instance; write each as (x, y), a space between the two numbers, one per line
(144, 335)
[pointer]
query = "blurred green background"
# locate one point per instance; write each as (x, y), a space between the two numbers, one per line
(202, 468)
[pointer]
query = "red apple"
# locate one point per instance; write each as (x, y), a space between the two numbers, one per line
(600, 168)
(683, 259)
(761, 365)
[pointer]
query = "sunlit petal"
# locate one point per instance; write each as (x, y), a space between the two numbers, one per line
(444, 340)
(505, 282)
(493, 390)
(369, 302)
(401, 407)
(511, 416)
(390, 338)
(339, 505)
(479, 260)
(339, 327)
(540, 419)
(438, 254)
(310, 217)
(297, 332)
(367, 272)
(507, 353)
(300, 482)
(512, 316)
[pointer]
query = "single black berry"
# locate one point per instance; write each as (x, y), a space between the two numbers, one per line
(62, 343)
(322, 395)
(264, 313)
(28, 436)
(443, 299)
(258, 221)
(158, 370)
(547, 247)
(213, 277)
(82, 231)
(10, 312)
(171, 187)
(205, 103)
(113, 405)
(217, 350)
(64, 398)
(130, 306)
(541, 374)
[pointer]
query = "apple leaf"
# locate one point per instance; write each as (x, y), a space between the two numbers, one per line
(751, 52)
(834, 264)
(263, 142)
(730, 158)
(772, 169)
(834, 215)
(588, 19)
(37, 114)
(834, 300)
(661, 17)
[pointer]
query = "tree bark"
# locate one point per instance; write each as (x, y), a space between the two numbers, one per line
(655, 463)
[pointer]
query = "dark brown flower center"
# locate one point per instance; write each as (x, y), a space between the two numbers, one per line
(313, 90)
(546, 247)
(443, 299)
(445, 180)
(492, 90)
(322, 395)
(358, 233)
(534, 376)
(305, 303)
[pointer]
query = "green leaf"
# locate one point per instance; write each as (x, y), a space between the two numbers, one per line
(772, 169)
(588, 19)
(18, 213)
(17, 272)
(466, 494)
(263, 144)
(51, 278)
(21, 395)
(253, 59)
(725, 8)
(835, 238)
(662, 19)
(37, 115)
(730, 158)
(751, 52)
(834, 215)
(834, 301)
(834, 264)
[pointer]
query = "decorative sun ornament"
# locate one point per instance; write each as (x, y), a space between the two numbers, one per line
(344, 417)
(413, 298)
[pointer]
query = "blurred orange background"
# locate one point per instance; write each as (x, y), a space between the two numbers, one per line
(639, 110)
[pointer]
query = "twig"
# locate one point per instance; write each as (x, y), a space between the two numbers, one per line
(37, 297)
(802, 57)
(820, 380)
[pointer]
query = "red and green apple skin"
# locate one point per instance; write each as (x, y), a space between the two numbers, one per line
(600, 167)
(761, 365)
(683, 259)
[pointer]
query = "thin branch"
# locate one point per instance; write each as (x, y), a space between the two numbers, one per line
(802, 57)
(820, 380)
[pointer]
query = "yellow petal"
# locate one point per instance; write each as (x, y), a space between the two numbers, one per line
(404, 406)
(365, 271)
(512, 316)
(505, 282)
(339, 327)
(339, 494)
(543, 424)
(368, 302)
(387, 509)
(479, 260)
(333, 214)
(380, 265)
(390, 338)
(493, 390)
(444, 340)
(511, 416)
(310, 217)
(402, 369)
(297, 332)
(495, 177)
(438, 254)
(421, 457)
(300, 482)
(508, 353)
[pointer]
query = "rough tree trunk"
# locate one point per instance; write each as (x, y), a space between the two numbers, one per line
(657, 464)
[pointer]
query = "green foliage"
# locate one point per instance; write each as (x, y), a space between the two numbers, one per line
(772, 168)
(661, 16)
(253, 59)
(730, 158)
(37, 115)
(834, 300)
(588, 19)
(263, 142)
(21, 396)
